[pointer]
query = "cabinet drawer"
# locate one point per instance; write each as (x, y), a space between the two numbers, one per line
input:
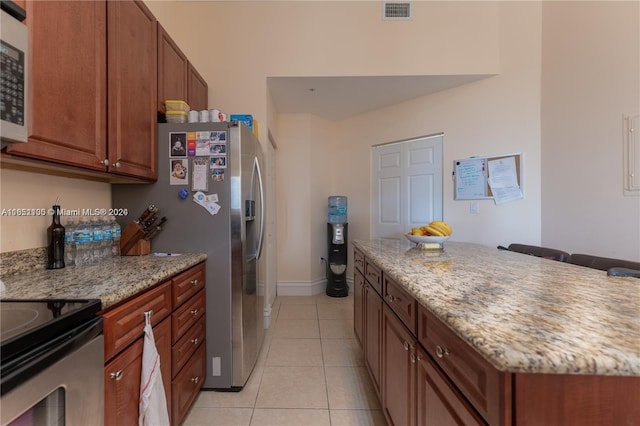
(358, 260)
(440, 403)
(187, 284)
(401, 302)
(187, 315)
(486, 388)
(373, 275)
(187, 384)
(125, 323)
(186, 346)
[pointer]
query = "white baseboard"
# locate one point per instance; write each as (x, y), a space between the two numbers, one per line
(305, 288)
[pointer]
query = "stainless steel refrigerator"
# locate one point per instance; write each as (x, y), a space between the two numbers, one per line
(210, 190)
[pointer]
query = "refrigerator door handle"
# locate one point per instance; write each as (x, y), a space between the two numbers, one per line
(256, 165)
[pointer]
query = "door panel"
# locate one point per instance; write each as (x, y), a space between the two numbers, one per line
(407, 185)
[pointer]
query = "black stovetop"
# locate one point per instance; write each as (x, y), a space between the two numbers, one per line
(28, 323)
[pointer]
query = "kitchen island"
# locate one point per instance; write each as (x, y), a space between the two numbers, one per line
(538, 328)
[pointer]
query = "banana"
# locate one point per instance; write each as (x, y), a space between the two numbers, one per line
(435, 231)
(441, 226)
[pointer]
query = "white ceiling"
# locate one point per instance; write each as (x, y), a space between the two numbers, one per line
(335, 98)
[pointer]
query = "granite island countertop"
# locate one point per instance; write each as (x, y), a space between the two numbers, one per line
(111, 280)
(522, 313)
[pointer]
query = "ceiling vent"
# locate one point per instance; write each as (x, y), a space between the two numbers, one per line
(396, 10)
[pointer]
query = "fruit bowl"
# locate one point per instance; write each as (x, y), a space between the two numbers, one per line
(420, 239)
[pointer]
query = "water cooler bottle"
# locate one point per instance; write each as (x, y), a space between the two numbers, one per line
(337, 247)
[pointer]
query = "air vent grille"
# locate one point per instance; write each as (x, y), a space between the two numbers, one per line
(397, 10)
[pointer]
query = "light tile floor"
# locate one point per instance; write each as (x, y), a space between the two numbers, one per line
(310, 372)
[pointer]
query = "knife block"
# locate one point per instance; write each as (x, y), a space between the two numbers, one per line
(132, 242)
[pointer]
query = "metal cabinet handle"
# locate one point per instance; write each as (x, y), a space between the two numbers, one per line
(195, 312)
(442, 352)
(195, 282)
(105, 162)
(413, 358)
(392, 298)
(117, 375)
(194, 341)
(406, 346)
(116, 165)
(195, 379)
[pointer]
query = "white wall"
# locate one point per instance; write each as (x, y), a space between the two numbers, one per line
(20, 189)
(497, 115)
(590, 79)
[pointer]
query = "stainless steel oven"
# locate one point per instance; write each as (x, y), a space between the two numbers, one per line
(52, 363)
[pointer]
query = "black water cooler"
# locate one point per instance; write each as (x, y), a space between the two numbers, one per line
(337, 260)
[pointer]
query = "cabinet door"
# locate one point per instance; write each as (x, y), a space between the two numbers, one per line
(172, 70)
(122, 378)
(132, 58)
(373, 325)
(68, 83)
(438, 401)
(398, 371)
(198, 90)
(358, 306)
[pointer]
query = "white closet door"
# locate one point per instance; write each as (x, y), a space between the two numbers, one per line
(407, 185)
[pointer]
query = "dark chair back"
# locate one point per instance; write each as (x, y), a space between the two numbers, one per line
(602, 263)
(547, 253)
(623, 272)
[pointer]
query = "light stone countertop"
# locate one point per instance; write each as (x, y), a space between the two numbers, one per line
(522, 313)
(111, 281)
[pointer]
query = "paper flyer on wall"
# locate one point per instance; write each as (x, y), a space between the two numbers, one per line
(503, 180)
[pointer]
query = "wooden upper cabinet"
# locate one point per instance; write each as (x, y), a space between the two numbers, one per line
(68, 83)
(133, 66)
(93, 85)
(172, 70)
(198, 90)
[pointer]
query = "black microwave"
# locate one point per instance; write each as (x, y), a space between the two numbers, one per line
(13, 84)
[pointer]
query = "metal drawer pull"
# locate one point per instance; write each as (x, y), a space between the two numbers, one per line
(194, 341)
(147, 316)
(442, 352)
(406, 346)
(392, 298)
(116, 164)
(194, 312)
(117, 375)
(195, 282)
(195, 379)
(413, 358)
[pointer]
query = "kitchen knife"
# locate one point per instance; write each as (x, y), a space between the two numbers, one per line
(145, 214)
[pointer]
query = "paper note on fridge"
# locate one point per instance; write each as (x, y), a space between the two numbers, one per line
(208, 201)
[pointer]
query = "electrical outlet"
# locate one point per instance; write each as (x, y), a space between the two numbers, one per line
(474, 207)
(215, 366)
(320, 260)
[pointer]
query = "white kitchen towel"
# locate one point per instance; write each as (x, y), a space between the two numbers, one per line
(153, 403)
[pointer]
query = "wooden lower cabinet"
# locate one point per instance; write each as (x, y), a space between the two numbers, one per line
(358, 306)
(438, 401)
(122, 378)
(373, 327)
(187, 384)
(398, 371)
(178, 321)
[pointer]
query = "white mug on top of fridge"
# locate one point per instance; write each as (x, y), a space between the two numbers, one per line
(217, 116)
(204, 116)
(194, 116)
